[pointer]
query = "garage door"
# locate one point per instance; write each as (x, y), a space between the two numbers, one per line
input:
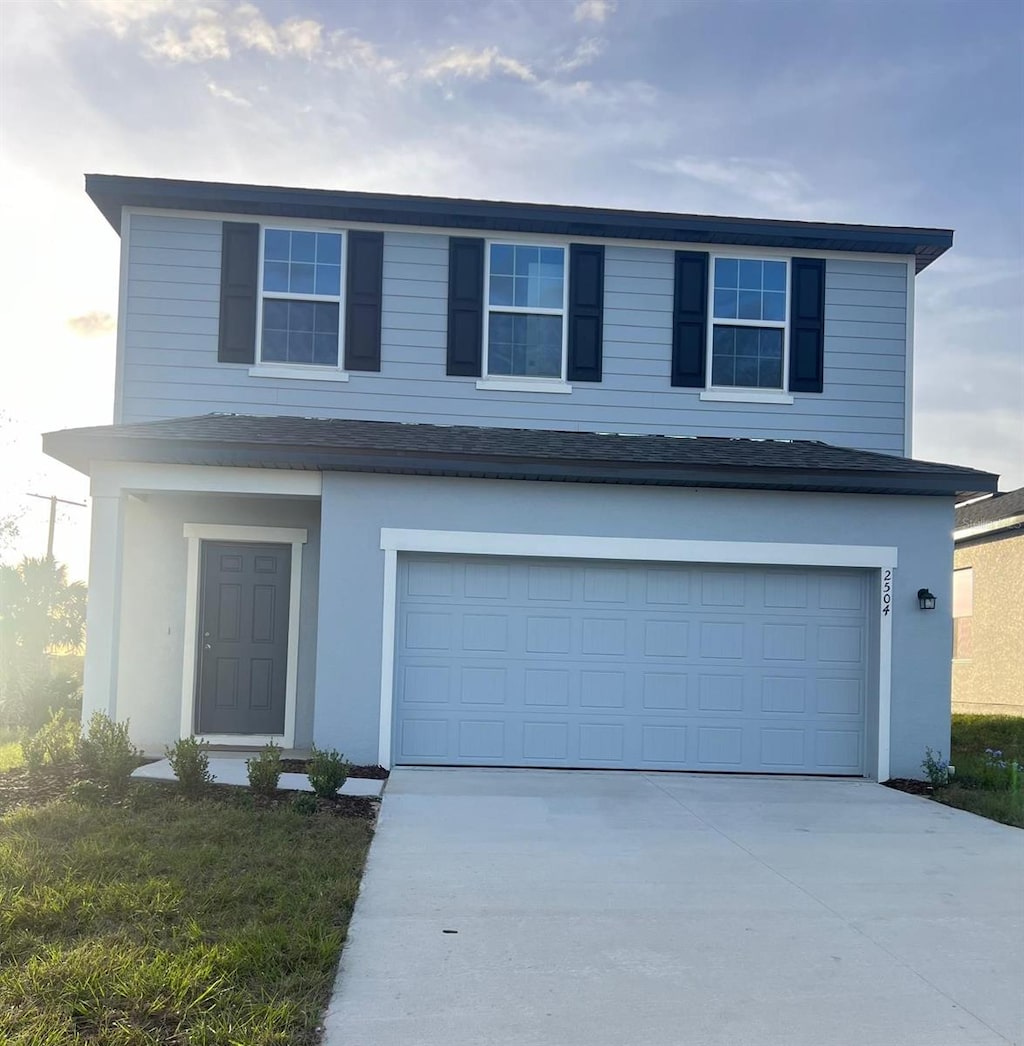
(529, 662)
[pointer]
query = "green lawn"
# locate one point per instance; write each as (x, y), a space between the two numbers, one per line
(977, 786)
(10, 754)
(170, 922)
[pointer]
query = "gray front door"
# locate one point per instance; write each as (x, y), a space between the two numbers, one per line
(643, 666)
(243, 638)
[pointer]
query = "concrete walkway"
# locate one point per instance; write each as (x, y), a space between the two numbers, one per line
(628, 909)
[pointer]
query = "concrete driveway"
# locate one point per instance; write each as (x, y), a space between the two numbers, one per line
(629, 909)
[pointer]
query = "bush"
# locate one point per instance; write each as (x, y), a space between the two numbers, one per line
(53, 744)
(935, 768)
(32, 692)
(108, 754)
(265, 770)
(191, 766)
(88, 793)
(327, 772)
(304, 804)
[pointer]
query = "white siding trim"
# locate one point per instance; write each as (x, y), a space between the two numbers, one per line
(111, 477)
(745, 395)
(908, 372)
(560, 546)
(740, 251)
(194, 533)
(122, 314)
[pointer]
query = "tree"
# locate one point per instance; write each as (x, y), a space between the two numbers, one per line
(42, 615)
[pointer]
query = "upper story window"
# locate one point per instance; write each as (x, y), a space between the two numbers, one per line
(748, 336)
(301, 298)
(525, 322)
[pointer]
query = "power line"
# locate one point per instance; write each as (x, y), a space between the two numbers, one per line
(54, 501)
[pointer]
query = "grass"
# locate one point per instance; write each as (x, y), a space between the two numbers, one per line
(171, 922)
(10, 751)
(977, 786)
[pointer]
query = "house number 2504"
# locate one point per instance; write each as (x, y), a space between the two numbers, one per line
(886, 591)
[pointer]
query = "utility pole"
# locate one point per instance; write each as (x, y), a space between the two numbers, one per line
(54, 501)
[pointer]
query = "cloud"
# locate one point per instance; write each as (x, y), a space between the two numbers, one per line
(227, 95)
(92, 324)
(205, 41)
(470, 64)
(594, 10)
(585, 52)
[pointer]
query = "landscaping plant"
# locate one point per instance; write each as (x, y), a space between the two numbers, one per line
(935, 768)
(54, 744)
(107, 753)
(191, 765)
(265, 770)
(327, 771)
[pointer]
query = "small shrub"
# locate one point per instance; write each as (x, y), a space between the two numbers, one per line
(265, 770)
(327, 771)
(54, 744)
(935, 768)
(991, 772)
(191, 765)
(304, 803)
(107, 753)
(88, 793)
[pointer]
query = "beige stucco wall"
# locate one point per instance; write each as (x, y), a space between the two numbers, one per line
(992, 681)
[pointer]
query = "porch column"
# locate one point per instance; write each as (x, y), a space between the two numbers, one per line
(103, 614)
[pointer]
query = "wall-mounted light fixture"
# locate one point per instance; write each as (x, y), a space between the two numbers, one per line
(925, 600)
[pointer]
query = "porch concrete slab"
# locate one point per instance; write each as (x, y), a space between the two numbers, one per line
(593, 908)
(231, 770)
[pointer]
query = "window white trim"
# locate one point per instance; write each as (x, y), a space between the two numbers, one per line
(520, 310)
(194, 533)
(783, 325)
(297, 370)
(744, 395)
(666, 550)
(287, 370)
(524, 385)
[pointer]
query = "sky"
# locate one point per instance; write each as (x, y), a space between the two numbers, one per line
(902, 112)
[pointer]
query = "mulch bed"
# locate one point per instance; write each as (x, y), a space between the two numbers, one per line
(19, 787)
(908, 784)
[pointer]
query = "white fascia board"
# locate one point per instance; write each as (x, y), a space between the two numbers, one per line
(563, 546)
(733, 250)
(988, 528)
(110, 478)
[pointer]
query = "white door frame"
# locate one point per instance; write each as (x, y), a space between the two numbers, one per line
(196, 533)
(878, 558)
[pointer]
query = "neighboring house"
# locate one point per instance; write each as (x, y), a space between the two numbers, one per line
(441, 481)
(988, 605)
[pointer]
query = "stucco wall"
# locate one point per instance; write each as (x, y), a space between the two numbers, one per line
(356, 507)
(991, 682)
(151, 648)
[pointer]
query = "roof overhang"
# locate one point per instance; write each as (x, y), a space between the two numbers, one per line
(80, 448)
(984, 530)
(112, 193)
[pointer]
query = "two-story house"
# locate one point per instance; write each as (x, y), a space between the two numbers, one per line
(440, 481)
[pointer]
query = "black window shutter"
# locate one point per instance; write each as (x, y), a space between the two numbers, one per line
(586, 308)
(363, 278)
(690, 319)
(239, 275)
(465, 306)
(807, 325)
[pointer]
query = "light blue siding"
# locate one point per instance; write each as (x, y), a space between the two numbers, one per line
(171, 369)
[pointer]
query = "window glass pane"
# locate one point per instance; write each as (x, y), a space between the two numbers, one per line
(773, 306)
(501, 290)
(750, 275)
(726, 272)
(303, 246)
(276, 244)
(521, 294)
(328, 248)
(750, 305)
(527, 260)
(726, 304)
(328, 279)
(774, 276)
(550, 293)
(552, 260)
(299, 332)
(502, 258)
(524, 345)
(275, 276)
(301, 281)
(747, 357)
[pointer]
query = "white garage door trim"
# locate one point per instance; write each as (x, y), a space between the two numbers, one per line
(561, 546)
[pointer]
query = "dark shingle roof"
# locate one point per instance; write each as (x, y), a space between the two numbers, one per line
(991, 510)
(461, 450)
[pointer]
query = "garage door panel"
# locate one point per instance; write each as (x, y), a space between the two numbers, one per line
(534, 663)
